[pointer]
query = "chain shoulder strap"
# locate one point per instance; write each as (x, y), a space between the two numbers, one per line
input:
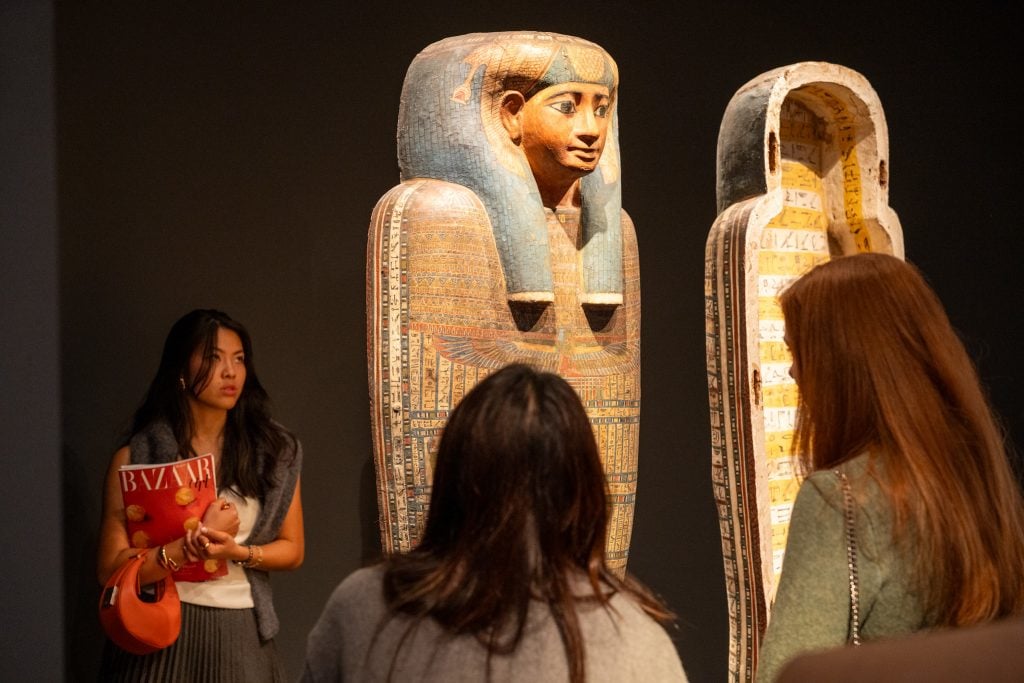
(851, 558)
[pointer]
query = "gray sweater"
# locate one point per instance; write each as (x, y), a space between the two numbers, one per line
(623, 644)
(156, 444)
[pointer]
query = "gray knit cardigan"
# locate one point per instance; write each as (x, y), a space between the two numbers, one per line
(156, 444)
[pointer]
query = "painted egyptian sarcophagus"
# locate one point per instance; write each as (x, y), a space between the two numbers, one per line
(803, 173)
(504, 242)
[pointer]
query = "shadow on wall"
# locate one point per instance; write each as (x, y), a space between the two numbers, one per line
(82, 509)
(369, 520)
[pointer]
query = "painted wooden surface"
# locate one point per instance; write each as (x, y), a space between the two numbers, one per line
(802, 177)
(467, 271)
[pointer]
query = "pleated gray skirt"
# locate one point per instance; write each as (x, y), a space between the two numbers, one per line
(215, 646)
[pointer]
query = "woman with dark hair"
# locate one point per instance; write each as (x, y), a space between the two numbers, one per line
(206, 398)
(890, 400)
(509, 581)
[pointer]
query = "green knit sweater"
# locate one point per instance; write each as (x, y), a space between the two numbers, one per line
(812, 605)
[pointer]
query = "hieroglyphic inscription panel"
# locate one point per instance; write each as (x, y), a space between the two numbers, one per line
(440, 322)
(792, 242)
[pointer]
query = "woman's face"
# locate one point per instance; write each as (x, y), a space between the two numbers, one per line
(564, 128)
(792, 366)
(223, 386)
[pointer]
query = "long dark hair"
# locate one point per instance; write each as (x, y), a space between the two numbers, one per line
(252, 440)
(880, 368)
(518, 509)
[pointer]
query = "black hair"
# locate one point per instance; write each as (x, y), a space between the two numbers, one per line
(518, 509)
(252, 440)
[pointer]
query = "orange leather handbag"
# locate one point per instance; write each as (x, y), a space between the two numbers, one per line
(139, 622)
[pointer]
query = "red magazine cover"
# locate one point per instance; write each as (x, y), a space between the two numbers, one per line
(161, 502)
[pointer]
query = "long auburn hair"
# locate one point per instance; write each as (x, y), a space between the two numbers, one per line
(880, 368)
(252, 440)
(518, 509)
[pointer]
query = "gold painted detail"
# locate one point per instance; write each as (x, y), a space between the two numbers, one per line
(449, 325)
(792, 243)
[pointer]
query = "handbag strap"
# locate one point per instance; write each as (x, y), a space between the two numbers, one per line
(124, 578)
(851, 558)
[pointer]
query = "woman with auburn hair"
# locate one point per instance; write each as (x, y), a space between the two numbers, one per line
(509, 581)
(890, 399)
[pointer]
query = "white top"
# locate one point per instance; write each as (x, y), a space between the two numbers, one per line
(230, 591)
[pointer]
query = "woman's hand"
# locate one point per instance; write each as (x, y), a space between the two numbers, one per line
(207, 543)
(222, 515)
(215, 539)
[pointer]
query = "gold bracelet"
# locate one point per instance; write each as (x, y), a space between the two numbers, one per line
(254, 560)
(247, 562)
(164, 560)
(161, 558)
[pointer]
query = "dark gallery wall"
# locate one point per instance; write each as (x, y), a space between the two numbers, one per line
(30, 599)
(218, 156)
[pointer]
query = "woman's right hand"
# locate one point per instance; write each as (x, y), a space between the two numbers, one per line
(222, 515)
